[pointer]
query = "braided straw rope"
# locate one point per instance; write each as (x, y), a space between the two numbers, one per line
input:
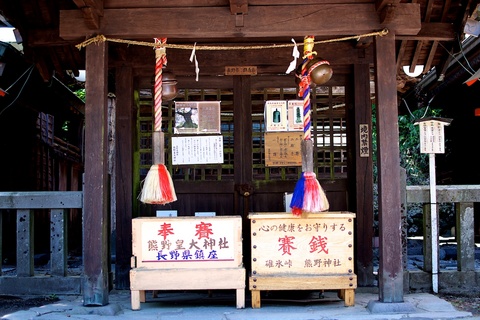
(102, 38)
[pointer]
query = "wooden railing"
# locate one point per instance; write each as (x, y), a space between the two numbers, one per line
(465, 276)
(57, 280)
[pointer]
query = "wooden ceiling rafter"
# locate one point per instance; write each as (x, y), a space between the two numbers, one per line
(401, 51)
(431, 55)
(43, 69)
(434, 46)
(420, 43)
(416, 55)
(466, 6)
(57, 65)
(400, 54)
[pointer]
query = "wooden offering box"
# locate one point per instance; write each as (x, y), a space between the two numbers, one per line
(309, 252)
(187, 253)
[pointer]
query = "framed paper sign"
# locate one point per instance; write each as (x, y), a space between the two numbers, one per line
(276, 115)
(295, 115)
(197, 117)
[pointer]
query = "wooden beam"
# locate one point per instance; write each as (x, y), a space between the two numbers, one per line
(238, 7)
(396, 14)
(116, 4)
(364, 43)
(261, 22)
(257, 82)
(432, 31)
(271, 64)
(436, 31)
(387, 15)
(92, 10)
(381, 4)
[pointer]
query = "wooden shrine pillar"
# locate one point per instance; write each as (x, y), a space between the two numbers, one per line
(242, 124)
(123, 176)
(243, 164)
(390, 273)
(242, 107)
(96, 255)
(364, 175)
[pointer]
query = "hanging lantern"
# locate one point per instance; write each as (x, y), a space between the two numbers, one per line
(477, 112)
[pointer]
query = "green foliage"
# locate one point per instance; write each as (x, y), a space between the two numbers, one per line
(80, 93)
(415, 163)
(411, 159)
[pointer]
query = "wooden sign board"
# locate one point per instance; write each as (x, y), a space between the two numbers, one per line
(432, 137)
(364, 140)
(283, 149)
(187, 242)
(308, 252)
(318, 244)
(240, 71)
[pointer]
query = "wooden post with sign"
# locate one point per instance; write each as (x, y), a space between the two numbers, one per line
(187, 253)
(309, 252)
(432, 140)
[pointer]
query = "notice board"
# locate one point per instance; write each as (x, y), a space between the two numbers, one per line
(187, 242)
(318, 244)
(283, 149)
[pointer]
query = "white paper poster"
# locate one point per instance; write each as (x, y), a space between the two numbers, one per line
(197, 150)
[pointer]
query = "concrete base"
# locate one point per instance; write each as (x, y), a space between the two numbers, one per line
(375, 306)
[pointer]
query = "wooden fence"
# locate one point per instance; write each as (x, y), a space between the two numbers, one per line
(465, 277)
(25, 281)
(58, 280)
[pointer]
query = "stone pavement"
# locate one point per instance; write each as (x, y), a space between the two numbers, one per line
(220, 305)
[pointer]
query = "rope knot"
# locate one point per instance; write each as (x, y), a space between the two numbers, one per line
(304, 84)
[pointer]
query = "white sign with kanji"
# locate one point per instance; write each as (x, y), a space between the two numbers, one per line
(197, 150)
(432, 137)
(187, 242)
